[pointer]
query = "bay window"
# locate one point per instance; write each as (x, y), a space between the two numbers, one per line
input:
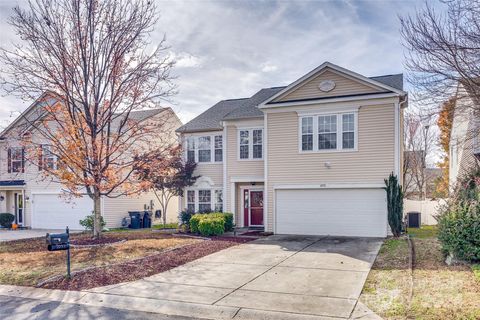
(334, 132)
(250, 144)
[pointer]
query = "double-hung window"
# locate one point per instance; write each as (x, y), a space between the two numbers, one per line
(204, 149)
(191, 200)
(348, 131)
(191, 149)
(307, 133)
(219, 200)
(244, 144)
(16, 160)
(48, 159)
(204, 200)
(218, 148)
(328, 132)
(250, 142)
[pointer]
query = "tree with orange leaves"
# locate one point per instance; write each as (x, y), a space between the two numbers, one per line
(95, 61)
(444, 122)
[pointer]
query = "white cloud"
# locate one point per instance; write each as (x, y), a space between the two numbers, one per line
(231, 49)
(268, 67)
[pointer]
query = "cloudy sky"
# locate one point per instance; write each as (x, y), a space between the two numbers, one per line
(230, 49)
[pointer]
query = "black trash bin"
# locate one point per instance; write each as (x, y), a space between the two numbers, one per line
(414, 219)
(147, 219)
(135, 219)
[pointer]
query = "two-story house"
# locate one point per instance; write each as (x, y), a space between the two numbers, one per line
(307, 158)
(36, 200)
(464, 147)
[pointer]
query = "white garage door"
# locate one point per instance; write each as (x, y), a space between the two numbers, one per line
(51, 212)
(340, 212)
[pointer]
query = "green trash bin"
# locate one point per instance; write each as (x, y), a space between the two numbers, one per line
(135, 219)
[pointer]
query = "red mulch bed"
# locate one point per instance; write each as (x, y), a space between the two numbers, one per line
(138, 269)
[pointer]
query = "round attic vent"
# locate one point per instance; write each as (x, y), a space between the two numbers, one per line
(326, 85)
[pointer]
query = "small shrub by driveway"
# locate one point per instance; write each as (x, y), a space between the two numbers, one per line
(439, 291)
(121, 256)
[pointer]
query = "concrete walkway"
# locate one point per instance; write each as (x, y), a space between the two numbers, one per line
(279, 277)
(8, 235)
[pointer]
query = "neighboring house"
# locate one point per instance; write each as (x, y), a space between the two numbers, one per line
(418, 180)
(308, 158)
(36, 200)
(464, 139)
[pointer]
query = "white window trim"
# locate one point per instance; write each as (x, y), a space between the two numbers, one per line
(212, 198)
(339, 132)
(250, 143)
(212, 148)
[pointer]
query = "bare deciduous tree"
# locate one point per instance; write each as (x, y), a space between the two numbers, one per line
(419, 139)
(96, 62)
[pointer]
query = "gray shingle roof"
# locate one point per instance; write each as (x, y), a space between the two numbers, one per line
(392, 80)
(249, 109)
(138, 115)
(211, 119)
(245, 108)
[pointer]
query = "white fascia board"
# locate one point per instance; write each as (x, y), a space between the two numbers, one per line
(330, 186)
(336, 68)
(247, 179)
(329, 100)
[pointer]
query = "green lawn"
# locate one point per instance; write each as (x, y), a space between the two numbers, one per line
(424, 232)
(439, 291)
(166, 226)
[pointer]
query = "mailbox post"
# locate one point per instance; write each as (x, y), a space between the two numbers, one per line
(59, 242)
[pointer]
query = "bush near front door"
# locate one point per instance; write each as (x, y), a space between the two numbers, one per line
(226, 218)
(6, 220)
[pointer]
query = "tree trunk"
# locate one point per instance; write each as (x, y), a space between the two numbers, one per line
(97, 222)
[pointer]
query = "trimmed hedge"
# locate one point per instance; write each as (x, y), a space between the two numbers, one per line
(212, 226)
(226, 218)
(6, 220)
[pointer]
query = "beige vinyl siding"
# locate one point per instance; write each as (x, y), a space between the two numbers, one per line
(343, 86)
(373, 161)
(115, 209)
(238, 168)
(466, 158)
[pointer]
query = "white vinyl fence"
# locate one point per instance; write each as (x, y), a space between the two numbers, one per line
(428, 209)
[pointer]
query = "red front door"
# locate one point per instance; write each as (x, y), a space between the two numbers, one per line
(256, 208)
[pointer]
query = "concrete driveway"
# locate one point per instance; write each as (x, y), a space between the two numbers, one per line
(8, 235)
(279, 277)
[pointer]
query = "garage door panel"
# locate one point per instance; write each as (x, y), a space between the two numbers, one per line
(340, 212)
(49, 211)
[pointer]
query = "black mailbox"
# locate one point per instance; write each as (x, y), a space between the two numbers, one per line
(57, 241)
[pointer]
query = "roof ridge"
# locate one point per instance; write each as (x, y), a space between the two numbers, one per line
(234, 99)
(388, 75)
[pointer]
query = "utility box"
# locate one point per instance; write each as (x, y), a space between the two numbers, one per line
(414, 219)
